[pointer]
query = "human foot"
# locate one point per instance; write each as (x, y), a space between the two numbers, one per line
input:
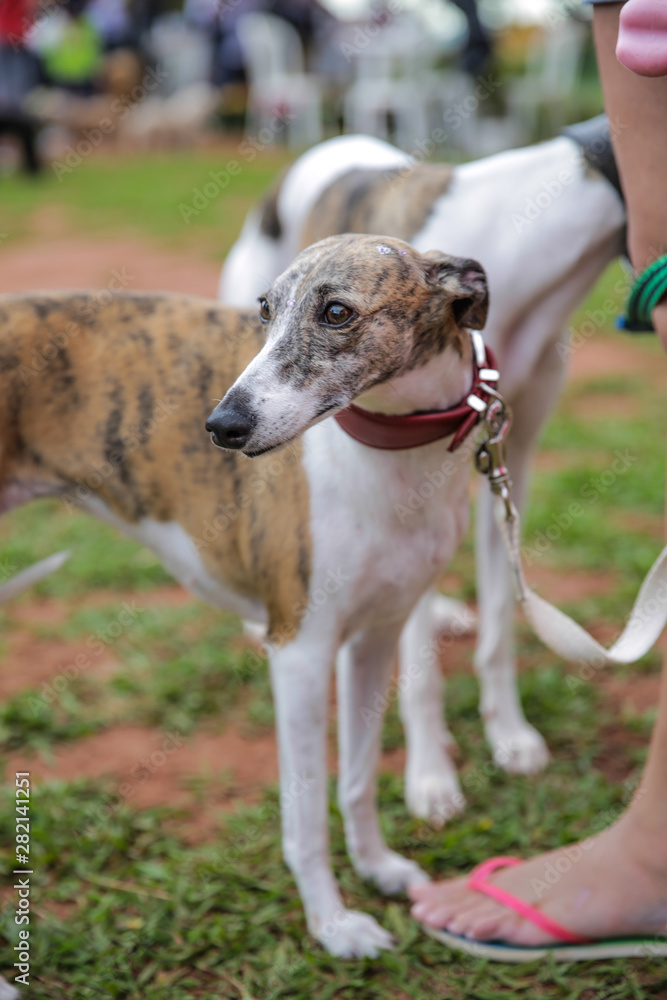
(612, 885)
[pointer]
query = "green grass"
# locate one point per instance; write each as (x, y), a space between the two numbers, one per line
(150, 917)
(125, 906)
(143, 194)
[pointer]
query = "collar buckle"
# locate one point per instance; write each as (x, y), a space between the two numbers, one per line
(490, 457)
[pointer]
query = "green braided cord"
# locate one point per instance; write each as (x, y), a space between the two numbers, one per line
(649, 288)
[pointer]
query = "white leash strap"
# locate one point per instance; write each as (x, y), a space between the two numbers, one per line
(556, 629)
(563, 635)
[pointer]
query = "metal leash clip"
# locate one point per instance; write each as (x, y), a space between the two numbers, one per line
(490, 455)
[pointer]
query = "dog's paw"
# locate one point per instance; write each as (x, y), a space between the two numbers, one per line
(352, 934)
(448, 615)
(391, 873)
(523, 751)
(433, 793)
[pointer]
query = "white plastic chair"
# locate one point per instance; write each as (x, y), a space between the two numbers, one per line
(183, 53)
(273, 57)
(553, 73)
(386, 86)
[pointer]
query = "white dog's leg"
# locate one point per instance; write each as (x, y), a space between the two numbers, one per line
(432, 789)
(300, 674)
(364, 689)
(448, 615)
(516, 745)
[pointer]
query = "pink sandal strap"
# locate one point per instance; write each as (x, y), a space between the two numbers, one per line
(478, 880)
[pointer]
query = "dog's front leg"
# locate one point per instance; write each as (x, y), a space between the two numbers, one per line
(364, 689)
(300, 674)
(432, 789)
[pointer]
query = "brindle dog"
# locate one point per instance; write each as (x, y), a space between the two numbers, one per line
(105, 406)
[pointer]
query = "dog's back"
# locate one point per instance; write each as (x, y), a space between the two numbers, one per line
(395, 200)
(104, 403)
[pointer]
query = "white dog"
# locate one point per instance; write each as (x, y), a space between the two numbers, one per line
(545, 221)
(306, 541)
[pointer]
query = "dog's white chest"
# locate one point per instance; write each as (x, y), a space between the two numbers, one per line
(383, 523)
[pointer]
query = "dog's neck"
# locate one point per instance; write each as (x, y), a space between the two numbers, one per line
(441, 382)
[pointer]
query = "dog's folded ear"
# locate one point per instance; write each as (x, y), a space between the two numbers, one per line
(464, 280)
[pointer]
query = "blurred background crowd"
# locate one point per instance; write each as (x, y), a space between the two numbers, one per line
(451, 78)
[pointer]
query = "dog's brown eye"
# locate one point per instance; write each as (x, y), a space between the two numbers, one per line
(264, 311)
(336, 314)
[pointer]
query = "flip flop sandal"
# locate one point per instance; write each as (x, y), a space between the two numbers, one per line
(573, 948)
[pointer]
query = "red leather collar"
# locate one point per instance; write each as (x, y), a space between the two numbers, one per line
(395, 433)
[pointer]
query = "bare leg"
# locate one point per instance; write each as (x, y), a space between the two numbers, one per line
(614, 883)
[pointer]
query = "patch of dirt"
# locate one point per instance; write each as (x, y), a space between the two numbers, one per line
(615, 758)
(625, 697)
(456, 654)
(57, 908)
(558, 586)
(393, 761)
(30, 662)
(636, 521)
(631, 695)
(597, 358)
(75, 262)
(150, 768)
(603, 406)
(206, 775)
(550, 461)
(53, 611)
(450, 584)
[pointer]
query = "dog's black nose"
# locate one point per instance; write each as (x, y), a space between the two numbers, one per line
(230, 427)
